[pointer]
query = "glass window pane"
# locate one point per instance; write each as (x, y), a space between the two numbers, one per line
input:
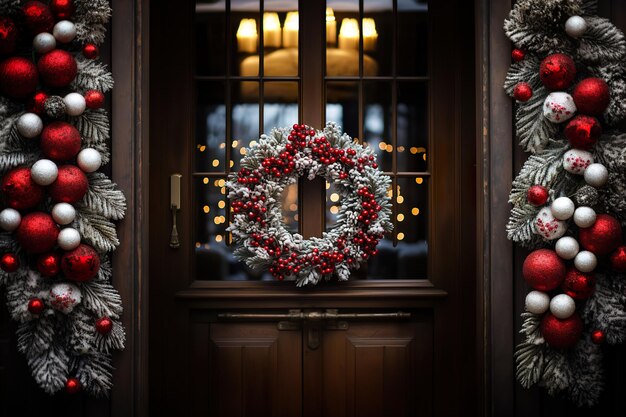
(245, 118)
(412, 126)
(210, 42)
(378, 33)
(280, 107)
(333, 205)
(210, 126)
(412, 27)
(342, 38)
(280, 38)
(290, 207)
(342, 105)
(245, 26)
(377, 121)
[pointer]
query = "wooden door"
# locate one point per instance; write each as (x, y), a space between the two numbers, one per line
(399, 339)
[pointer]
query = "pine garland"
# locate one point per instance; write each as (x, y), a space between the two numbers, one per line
(60, 346)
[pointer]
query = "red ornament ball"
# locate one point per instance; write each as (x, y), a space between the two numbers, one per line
(18, 77)
(9, 262)
(517, 54)
(618, 259)
(70, 186)
(57, 68)
(37, 102)
(537, 195)
(597, 337)
(62, 9)
(603, 237)
(591, 96)
(37, 233)
(91, 51)
(80, 264)
(522, 92)
(37, 17)
(579, 285)
(8, 36)
(20, 190)
(561, 334)
(49, 264)
(583, 132)
(544, 270)
(35, 306)
(104, 325)
(60, 141)
(94, 99)
(557, 71)
(72, 385)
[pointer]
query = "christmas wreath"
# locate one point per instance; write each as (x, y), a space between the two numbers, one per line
(279, 159)
(569, 199)
(57, 210)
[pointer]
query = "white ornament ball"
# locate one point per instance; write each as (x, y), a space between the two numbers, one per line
(562, 208)
(585, 261)
(548, 226)
(559, 107)
(64, 31)
(576, 161)
(63, 213)
(89, 160)
(575, 26)
(29, 125)
(562, 306)
(74, 104)
(537, 302)
(68, 239)
(596, 175)
(44, 43)
(567, 247)
(584, 217)
(44, 172)
(10, 219)
(64, 297)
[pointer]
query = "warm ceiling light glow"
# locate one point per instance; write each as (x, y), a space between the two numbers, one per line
(331, 27)
(370, 36)
(247, 36)
(271, 30)
(330, 14)
(290, 30)
(349, 34)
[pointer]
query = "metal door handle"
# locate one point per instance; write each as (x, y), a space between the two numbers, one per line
(174, 206)
(299, 315)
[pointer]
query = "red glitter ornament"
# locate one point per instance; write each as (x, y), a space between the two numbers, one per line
(70, 186)
(57, 68)
(18, 77)
(517, 54)
(557, 71)
(8, 36)
(80, 264)
(104, 325)
(35, 306)
(561, 334)
(544, 270)
(49, 264)
(94, 99)
(579, 285)
(603, 237)
(20, 190)
(591, 96)
(37, 17)
(537, 195)
(618, 259)
(37, 102)
(72, 385)
(91, 51)
(9, 262)
(583, 132)
(60, 141)
(522, 92)
(597, 337)
(62, 9)
(37, 233)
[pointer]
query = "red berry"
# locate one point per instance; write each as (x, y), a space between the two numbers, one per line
(9, 262)
(35, 306)
(91, 51)
(72, 385)
(517, 54)
(537, 195)
(522, 92)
